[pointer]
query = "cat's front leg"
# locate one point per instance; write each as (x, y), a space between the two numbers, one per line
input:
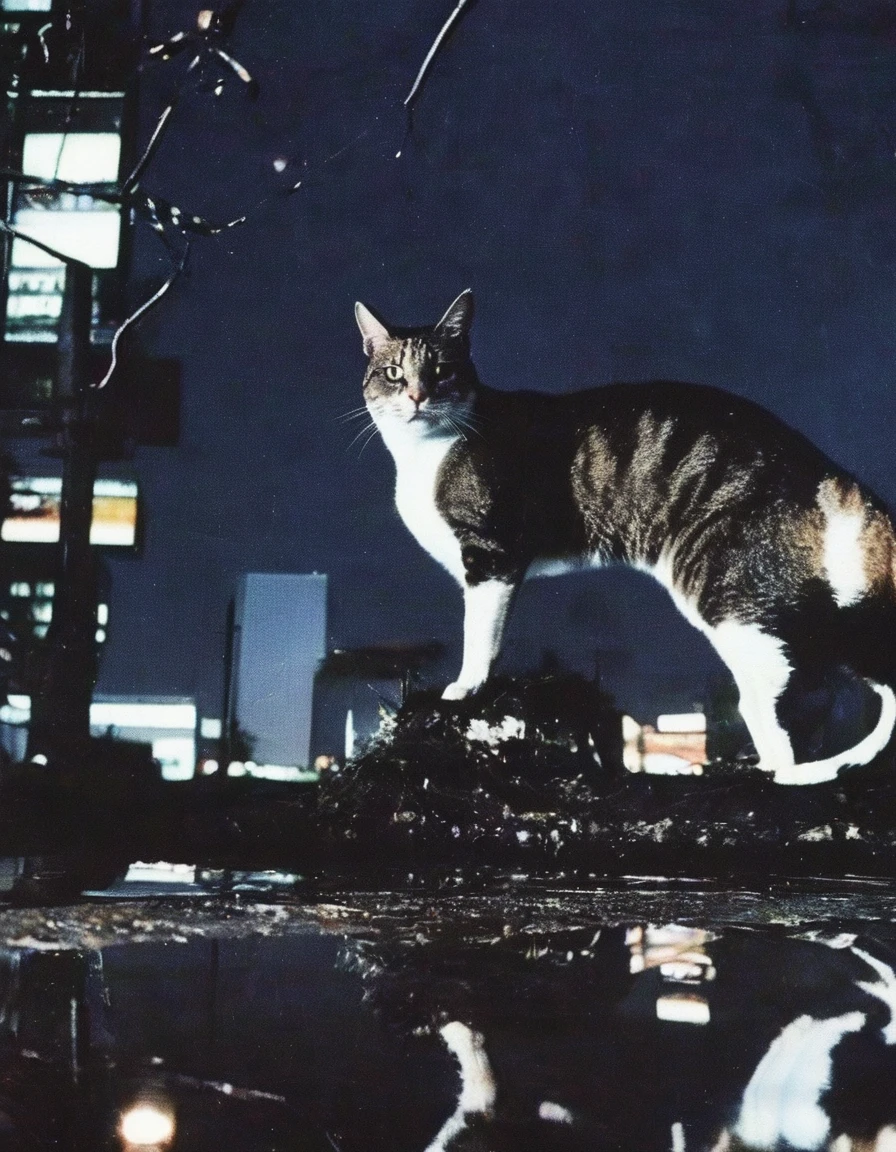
(486, 606)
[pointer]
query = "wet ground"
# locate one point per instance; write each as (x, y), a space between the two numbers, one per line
(202, 1009)
(469, 938)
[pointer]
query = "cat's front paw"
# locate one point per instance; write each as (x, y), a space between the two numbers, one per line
(456, 691)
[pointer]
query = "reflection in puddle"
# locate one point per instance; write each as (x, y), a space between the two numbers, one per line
(660, 1037)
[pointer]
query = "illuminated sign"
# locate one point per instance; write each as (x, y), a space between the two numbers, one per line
(33, 516)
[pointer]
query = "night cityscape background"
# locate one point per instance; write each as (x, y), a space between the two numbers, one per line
(661, 190)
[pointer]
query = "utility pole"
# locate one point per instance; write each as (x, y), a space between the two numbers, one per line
(60, 721)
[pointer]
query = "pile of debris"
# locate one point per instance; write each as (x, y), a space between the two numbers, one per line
(529, 774)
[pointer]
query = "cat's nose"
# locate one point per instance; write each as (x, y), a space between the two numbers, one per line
(416, 393)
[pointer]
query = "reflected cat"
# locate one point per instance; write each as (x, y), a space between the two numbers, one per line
(664, 1037)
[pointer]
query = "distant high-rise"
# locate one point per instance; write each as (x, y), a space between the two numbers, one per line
(279, 639)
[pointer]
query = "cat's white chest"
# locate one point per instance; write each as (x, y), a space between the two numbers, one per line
(417, 468)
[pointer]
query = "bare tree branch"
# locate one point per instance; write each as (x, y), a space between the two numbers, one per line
(431, 54)
(141, 311)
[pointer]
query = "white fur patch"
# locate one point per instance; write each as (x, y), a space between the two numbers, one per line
(418, 459)
(844, 556)
(555, 566)
(780, 1102)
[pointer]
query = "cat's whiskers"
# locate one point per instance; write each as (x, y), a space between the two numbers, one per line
(370, 430)
(371, 436)
(353, 414)
(467, 421)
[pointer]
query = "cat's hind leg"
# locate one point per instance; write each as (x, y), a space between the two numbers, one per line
(758, 662)
(761, 669)
(819, 771)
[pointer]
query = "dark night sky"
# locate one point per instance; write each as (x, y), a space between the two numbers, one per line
(634, 189)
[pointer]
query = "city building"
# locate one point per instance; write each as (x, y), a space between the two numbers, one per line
(277, 642)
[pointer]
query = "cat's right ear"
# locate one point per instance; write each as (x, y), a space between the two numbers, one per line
(373, 331)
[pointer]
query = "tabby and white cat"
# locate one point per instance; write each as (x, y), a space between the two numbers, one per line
(778, 556)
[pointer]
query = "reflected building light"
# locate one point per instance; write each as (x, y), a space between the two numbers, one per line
(682, 1008)
(146, 1125)
(160, 872)
(349, 734)
(555, 1113)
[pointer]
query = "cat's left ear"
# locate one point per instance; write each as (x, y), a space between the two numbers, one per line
(459, 317)
(373, 330)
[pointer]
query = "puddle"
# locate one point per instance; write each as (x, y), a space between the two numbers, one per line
(541, 1029)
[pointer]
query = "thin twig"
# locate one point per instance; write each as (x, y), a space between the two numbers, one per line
(141, 311)
(430, 56)
(150, 149)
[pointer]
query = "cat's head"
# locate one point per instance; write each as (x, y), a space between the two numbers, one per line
(419, 377)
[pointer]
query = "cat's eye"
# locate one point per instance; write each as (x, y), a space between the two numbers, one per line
(393, 372)
(443, 370)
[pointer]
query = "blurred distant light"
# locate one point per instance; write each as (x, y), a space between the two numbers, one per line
(280, 163)
(130, 714)
(176, 754)
(208, 767)
(26, 5)
(210, 728)
(145, 1125)
(681, 722)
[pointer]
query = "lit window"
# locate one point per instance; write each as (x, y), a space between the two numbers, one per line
(26, 5)
(75, 224)
(102, 614)
(79, 157)
(42, 610)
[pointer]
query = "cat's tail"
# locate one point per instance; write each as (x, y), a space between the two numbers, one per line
(820, 771)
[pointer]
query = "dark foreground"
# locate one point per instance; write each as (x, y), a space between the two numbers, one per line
(459, 789)
(626, 1016)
